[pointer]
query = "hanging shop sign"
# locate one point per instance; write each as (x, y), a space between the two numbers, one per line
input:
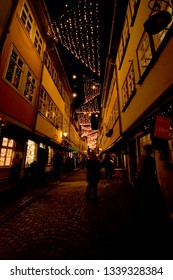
(162, 127)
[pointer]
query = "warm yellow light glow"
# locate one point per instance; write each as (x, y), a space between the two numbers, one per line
(74, 94)
(74, 76)
(65, 134)
(93, 87)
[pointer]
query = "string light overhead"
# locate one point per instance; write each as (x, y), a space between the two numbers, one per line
(91, 88)
(78, 31)
(89, 107)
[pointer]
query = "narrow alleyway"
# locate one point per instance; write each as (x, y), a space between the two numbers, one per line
(57, 222)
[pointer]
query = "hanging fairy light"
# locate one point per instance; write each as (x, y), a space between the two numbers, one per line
(90, 107)
(78, 32)
(84, 119)
(91, 88)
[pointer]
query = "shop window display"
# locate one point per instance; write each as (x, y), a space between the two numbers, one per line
(31, 154)
(6, 152)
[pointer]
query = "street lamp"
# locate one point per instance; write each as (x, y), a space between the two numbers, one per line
(159, 19)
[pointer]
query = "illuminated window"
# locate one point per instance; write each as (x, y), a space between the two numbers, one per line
(19, 76)
(30, 87)
(6, 152)
(50, 155)
(15, 69)
(49, 109)
(43, 102)
(31, 154)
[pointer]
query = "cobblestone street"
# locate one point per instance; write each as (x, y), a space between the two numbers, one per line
(57, 222)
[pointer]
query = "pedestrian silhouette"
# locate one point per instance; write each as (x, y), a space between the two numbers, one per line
(93, 175)
(108, 164)
(150, 194)
(57, 164)
(16, 169)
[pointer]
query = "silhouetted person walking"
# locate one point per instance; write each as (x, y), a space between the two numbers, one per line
(108, 164)
(93, 175)
(57, 164)
(150, 194)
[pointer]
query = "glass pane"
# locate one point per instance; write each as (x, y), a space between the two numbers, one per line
(14, 55)
(23, 17)
(8, 161)
(10, 143)
(31, 152)
(10, 71)
(3, 152)
(9, 152)
(2, 160)
(20, 63)
(5, 142)
(17, 78)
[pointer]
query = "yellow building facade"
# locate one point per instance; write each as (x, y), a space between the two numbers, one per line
(142, 70)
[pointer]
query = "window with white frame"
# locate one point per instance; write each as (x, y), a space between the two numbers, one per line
(49, 109)
(6, 152)
(114, 115)
(53, 74)
(47, 62)
(30, 86)
(15, 69)
(55, 115)
(31, 27)
(20, 76)
(144, 54)
(124, 93)
(129, 86)
(123, 41)
(26, 18)
(43, 102)
(52, 71)
(131, 80)
(38, 42)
